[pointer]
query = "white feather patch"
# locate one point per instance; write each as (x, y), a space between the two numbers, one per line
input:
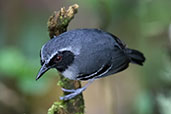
(70, 73)
(76, 51)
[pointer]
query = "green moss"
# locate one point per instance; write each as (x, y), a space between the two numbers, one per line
(66, 21)
(56, 107)
(72, 101)
(61, 17)
(82, 107)
(79, 113)
(60, 83)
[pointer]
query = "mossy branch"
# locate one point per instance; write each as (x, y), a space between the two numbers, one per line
(59, 21)
(57, 24)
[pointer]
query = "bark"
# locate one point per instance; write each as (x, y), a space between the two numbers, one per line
(58, 24)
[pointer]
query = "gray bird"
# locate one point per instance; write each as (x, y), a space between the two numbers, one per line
(86, 54)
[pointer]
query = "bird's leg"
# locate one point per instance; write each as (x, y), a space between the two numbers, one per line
(75, 92)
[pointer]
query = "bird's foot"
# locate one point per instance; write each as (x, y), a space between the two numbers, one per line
(73, 93)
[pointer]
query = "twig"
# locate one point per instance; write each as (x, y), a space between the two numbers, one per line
(57, 24)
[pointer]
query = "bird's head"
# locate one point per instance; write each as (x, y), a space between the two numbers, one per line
(52, 57)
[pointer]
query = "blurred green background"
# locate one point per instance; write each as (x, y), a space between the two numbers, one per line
(142, 24)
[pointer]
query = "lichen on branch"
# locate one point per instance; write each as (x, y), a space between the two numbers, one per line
(58, 24)
(59, 20)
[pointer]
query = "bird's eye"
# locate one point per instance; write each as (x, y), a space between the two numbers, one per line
(58, 58)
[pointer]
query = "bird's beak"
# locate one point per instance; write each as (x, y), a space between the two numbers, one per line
(42, 70)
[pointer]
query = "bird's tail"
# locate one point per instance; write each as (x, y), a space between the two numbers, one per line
(135, 56)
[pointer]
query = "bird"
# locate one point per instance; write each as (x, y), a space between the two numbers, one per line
(86, 54)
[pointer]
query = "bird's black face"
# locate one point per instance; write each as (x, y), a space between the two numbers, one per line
(60, 61)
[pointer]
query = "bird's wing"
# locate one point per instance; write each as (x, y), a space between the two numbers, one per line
(118, 43)
(99, 73)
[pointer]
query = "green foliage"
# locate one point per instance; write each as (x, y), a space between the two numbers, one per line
(144, 103)
(15, 65)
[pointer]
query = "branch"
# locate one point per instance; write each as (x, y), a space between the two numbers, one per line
(57, 24)
(59, 21)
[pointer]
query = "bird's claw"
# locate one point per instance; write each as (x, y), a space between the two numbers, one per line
(73, 93)
(68, 90)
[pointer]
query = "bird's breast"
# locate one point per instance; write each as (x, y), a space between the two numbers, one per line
(70, 73)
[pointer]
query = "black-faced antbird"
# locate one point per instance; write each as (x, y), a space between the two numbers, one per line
(86, 54)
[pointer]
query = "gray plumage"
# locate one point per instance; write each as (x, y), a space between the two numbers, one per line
(95, 54)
